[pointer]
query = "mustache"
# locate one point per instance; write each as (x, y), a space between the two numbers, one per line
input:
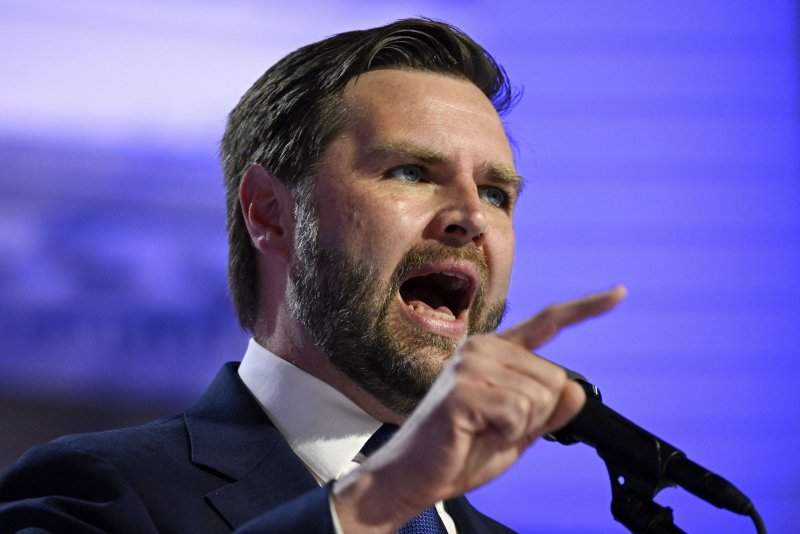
(432, 252)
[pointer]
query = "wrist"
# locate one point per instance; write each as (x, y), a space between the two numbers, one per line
(365, 503)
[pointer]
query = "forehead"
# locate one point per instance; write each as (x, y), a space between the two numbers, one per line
(445, 113)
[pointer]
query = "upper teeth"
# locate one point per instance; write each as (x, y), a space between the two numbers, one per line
(460, 276)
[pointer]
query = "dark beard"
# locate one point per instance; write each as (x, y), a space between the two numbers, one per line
(350, 317)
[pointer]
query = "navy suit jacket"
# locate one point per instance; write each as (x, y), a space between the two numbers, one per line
(220, 466)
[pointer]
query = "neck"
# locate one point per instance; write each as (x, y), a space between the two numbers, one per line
(296, 347)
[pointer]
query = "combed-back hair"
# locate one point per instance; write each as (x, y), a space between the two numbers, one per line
(288, 117)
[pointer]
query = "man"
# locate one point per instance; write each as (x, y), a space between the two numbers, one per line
(370, 192)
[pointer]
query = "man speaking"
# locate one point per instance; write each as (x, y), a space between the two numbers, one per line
(370, 194)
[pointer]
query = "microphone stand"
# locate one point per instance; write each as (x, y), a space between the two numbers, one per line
(632, 503)
(632, 491)
(641, 465)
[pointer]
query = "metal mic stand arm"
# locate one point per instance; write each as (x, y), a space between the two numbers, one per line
(636, 463)
(633, 506)
(640, 465)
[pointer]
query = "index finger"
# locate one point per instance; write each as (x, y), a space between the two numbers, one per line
(543, 326)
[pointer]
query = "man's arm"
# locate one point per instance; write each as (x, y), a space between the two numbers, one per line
(491, 402)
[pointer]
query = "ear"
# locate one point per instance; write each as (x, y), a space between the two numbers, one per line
(268, 210)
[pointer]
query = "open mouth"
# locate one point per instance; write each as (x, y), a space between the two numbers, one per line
(444, 294)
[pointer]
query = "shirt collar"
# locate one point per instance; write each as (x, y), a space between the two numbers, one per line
(323, 427)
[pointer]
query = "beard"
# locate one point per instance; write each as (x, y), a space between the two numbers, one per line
(353, 318)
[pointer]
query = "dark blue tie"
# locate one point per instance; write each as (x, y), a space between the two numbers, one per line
(428, 522)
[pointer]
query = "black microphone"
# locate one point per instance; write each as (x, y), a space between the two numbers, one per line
(636, 452)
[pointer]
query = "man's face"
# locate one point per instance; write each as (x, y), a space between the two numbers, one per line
(408, 246)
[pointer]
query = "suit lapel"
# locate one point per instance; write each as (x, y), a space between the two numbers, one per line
(230, 435)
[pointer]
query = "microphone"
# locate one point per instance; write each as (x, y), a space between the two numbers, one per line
(634, 452)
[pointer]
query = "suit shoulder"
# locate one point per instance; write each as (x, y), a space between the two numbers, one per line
(55, 487)
(169, 431)
(158, 445)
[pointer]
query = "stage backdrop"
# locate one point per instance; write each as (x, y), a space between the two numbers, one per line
(659, 140)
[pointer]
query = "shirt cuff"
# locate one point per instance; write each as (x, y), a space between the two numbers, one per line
(337, 527)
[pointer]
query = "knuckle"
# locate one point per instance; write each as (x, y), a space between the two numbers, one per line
(522, 407)
(543, 403)
(476, 346)
(547, 313)
(517, 407)
(547, 399)
(471, 344)
(560, 378)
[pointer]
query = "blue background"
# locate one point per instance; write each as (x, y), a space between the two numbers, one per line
(659, 139)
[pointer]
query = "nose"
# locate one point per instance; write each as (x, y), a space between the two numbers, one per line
(462, 218)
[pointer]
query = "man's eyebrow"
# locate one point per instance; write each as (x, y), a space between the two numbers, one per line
(503, 174)
(495, 172)
(411, 150)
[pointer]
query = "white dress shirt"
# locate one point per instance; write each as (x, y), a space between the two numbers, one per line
(325, 429)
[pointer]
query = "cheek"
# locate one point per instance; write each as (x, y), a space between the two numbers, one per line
(392, 228)
(374, 230)
(501, 258)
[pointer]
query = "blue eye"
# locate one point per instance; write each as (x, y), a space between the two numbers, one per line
(494, 196)
(407, 173)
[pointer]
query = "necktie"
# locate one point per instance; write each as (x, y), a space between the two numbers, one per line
(428, 521)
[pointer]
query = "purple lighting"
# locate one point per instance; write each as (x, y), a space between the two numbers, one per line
(661, 147)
